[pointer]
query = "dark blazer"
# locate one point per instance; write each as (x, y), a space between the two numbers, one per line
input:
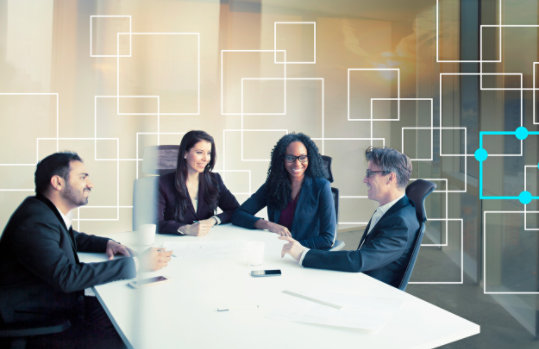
(314, 221)
(385, 251)
(166, 222)
(40, 273)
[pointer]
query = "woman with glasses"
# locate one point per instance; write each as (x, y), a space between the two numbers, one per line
(189, 197)
(297, 195)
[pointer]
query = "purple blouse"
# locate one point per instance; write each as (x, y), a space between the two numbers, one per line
(287, 215)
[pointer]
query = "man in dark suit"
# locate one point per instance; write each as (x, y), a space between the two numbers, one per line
(41, 277)
(387, 242)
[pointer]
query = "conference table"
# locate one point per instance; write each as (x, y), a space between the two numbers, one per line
(210, 300)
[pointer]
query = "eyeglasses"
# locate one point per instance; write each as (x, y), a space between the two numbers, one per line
(291, 158)
(370, 173)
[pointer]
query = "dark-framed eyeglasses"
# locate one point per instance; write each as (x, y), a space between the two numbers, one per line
(370, 173)
(292, 158)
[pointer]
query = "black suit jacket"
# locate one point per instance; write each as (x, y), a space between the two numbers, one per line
(40, 274)
(166, 223)
(385, 251)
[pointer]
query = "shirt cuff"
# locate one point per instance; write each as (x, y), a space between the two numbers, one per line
(217, 220)
(303, 256)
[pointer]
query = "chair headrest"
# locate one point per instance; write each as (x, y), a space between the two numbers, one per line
(160, 159)
(417, 191)
(326, 165)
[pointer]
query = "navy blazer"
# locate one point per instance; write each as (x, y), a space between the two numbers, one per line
(314, 219)
(385, 251)
(166, 222)
(40, 273)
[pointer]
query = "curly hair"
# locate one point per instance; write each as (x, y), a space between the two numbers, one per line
(209, 190)
(277, 181)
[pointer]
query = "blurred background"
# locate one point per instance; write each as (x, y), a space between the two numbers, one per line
(110, 78)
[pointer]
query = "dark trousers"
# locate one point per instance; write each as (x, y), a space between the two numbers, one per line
(93, 330)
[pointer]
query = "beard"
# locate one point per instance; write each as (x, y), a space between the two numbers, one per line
(75, 197)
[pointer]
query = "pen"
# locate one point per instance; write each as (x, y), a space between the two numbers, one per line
(291, 293)
(162, 249)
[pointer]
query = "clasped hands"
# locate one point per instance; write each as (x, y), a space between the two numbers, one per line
(199, 228)
(293, 248)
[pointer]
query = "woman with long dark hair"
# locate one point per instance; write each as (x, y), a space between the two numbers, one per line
(189, 197)
(297, 195)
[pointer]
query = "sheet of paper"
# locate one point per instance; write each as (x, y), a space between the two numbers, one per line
(215, 249)
(365, 313)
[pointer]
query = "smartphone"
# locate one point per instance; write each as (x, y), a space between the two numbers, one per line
(267, 272)
(145, 282)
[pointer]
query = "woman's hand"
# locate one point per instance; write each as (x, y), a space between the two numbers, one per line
(199, 228)
(273, 227)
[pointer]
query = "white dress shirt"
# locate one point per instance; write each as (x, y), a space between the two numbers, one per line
(378, 213)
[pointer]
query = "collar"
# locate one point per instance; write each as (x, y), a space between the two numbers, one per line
(384, 208)
(67, 218)
(64, 219)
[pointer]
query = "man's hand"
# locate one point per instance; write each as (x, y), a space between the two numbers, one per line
(293, 248)
(199, 228)
(114, 248)
(155, 258)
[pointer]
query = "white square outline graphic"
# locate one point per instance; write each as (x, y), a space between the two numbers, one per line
(485, 290)
(275, 43)
(222, 78)
(348, 116)
(117, 51)
(197, 112)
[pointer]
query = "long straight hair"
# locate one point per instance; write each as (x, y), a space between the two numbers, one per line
(208, 190)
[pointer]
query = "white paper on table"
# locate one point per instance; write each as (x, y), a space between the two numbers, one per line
(187, 249)
(357, 312)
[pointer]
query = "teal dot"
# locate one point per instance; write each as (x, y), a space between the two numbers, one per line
(538, 165)
(481, 154)
(521, 133)
(525, 197)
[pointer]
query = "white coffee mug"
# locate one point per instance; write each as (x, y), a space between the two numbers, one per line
(254, 253)
(146, 234)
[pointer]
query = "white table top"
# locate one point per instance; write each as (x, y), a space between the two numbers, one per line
(211, 273)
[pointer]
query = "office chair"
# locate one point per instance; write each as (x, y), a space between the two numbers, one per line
(416, 191)
(326, 165)
(15, 335)
(157, 160)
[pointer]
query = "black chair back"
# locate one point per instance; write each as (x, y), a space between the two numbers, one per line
(326, 166)
(417, 191)
(157, 160)
(15, 335)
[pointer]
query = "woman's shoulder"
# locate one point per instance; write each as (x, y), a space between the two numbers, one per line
(167, 178)
(319, 182)
(216, 178)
